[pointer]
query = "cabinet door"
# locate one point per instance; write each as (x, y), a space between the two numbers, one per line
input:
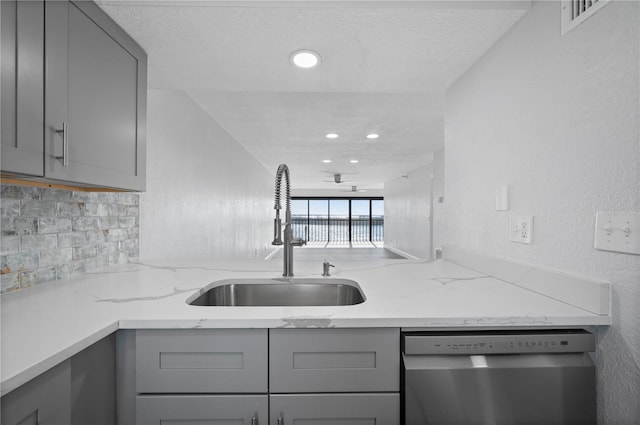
(93, 384)
(335, 409)
(202, 410)
(334, 360)
(96, 93)
(22, 116)
(45, 400)
(201, 361)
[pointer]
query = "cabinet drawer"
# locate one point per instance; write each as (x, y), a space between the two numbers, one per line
(335, 409)
(201, 361)
(334, 360)
(194, 409)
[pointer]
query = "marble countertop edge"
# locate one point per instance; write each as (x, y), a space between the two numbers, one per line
(10, 383)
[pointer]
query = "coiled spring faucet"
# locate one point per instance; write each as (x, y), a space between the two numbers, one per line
(289, 241)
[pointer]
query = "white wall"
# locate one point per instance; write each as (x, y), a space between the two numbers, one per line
(407, 202)
(557, 119)
(206, 195)
(438, 199)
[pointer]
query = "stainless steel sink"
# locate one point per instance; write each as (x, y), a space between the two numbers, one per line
(279, 292)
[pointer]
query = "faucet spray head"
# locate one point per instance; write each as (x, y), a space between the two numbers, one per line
(277, 230)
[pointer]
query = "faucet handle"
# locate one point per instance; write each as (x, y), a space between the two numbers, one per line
(298, 242)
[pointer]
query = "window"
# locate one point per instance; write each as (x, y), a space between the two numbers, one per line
(338, 221)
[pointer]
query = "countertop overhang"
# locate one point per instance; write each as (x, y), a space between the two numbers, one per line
(47, 324)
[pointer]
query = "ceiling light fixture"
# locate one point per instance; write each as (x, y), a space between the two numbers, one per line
(305, 59)
(354, 161)
(326, 161)
(331, 136)
(372, 136)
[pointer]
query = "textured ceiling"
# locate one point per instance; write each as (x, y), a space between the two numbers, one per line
(385, 66)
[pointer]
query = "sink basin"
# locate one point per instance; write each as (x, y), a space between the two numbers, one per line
(279, 292)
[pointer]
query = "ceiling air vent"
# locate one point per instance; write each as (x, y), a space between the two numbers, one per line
(575, 12)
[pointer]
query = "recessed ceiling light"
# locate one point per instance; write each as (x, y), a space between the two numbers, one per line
(326, 161)
(354, 161)
(331, 136)
(373, 136)
(305, 59)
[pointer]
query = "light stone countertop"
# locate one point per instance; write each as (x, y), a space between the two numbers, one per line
(46, 324)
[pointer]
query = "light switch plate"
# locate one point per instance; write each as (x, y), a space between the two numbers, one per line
(618, 232)
(502, 198)
(521, 229)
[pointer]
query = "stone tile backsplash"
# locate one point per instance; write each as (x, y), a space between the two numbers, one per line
(50, 234)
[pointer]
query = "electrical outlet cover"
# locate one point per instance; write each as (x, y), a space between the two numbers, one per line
(521, 229)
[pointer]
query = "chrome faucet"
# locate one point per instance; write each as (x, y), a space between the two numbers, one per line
(289, 241)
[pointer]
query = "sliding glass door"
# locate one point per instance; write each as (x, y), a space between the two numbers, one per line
(377, 220)
(338, 221)
(299, 218)
(360, 220)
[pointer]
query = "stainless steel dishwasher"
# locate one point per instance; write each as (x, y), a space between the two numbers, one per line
(499, 378)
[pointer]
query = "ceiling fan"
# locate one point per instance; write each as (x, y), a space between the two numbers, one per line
(337, 178)
(354, 189)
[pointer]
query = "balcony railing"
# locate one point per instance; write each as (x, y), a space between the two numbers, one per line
(338, 229)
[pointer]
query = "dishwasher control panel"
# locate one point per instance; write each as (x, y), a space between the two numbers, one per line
(490, 342)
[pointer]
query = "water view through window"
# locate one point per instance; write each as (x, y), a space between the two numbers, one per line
(339, 221)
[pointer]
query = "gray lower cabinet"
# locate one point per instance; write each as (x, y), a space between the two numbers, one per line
(194, 376)
(93, 384)
(45, 400)
(334, 376)
(334, 360)
(201, 361)
(259, 376)
(335, 409)
(78, 391)
(22, 91)
(202, 409)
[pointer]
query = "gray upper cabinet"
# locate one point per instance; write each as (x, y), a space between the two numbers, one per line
(74, 88)
(95, 99)
(22, 79)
